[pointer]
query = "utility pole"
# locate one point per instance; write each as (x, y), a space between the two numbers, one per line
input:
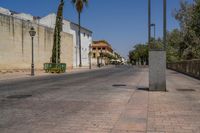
(164, 23)
(149, 23)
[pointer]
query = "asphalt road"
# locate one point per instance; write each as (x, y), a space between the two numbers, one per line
(81, 102)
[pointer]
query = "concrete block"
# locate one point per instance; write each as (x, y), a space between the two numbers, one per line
(157, 70)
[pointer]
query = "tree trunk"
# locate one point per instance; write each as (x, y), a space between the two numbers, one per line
(79, 33)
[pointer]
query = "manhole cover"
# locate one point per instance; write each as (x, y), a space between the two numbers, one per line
(119, 85)
(18, 96)
(185, 90)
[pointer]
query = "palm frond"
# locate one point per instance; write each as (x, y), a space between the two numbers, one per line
(79, 4)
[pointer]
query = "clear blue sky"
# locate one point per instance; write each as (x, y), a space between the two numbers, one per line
(123, 23)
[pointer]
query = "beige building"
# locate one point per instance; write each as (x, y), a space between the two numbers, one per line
(102, 52)
(15, 44)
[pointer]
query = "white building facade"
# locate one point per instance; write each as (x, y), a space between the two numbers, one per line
(72, 28)
(86, 40)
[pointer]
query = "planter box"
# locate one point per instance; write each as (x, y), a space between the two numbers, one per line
(55, 68)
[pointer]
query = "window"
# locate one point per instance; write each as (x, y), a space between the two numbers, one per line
(94, 55)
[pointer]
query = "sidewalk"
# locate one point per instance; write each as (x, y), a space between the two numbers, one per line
(8, 75)
(178, 110)
(175, 111)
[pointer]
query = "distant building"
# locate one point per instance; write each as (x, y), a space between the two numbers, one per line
(101, 53)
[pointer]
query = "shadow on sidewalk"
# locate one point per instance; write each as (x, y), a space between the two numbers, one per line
(143, 88)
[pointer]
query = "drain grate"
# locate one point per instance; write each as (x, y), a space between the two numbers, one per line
(186, 90)
(119, 85)
(18, 96)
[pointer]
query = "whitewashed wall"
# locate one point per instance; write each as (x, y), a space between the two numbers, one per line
(24, 16)
(86, 40)
(50, 21)
(72, 28)
(4, 11)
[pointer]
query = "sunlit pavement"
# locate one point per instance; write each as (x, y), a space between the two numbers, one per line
(17, 74)
(112, 100)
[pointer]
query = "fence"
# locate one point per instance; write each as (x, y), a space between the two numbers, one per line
(189, 67)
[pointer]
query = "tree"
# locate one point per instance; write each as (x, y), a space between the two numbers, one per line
(174, 48)
(57, 37)
(188, 18)
(139, 54)
(79, 4)
(196, 17)
(195, 26)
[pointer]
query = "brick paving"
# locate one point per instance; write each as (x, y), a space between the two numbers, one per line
(91, 104)
(175, 111)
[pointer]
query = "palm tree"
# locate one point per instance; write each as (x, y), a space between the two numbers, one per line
(79, 4)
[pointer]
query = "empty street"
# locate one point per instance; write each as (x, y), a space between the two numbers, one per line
(109, 100)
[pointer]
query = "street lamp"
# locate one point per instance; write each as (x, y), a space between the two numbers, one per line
(154, 27)
(32, 33)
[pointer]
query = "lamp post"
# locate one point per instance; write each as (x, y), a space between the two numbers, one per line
(32, 33)
(154, 27)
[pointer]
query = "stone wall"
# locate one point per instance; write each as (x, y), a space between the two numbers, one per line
(189, 67)
(15, 44)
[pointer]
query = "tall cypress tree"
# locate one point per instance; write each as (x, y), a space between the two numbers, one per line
(57, 37)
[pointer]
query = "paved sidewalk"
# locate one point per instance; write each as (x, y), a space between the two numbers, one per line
(178, 110)
(175, 111)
